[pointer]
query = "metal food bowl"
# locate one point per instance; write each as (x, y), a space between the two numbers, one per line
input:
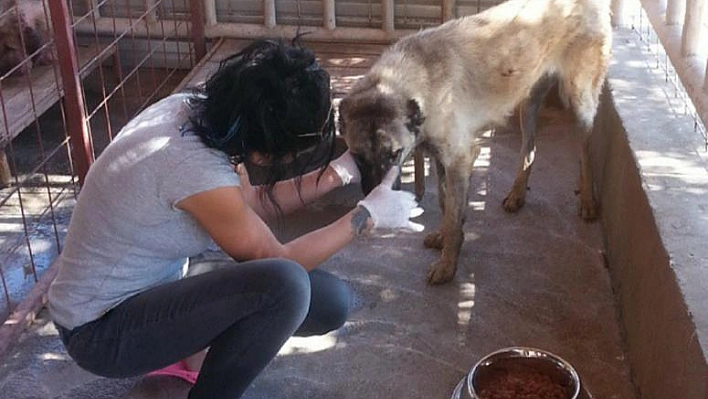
(519, 358)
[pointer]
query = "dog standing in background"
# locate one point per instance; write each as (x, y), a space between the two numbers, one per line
(441, 88)
(24, 31)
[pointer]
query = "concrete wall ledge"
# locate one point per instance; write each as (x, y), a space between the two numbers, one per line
(652, 179)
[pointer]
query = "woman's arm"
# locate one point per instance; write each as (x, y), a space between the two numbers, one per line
(241, 233)
(286, 192)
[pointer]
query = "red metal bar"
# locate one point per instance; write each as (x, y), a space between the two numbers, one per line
(82, 153)
(196, 8)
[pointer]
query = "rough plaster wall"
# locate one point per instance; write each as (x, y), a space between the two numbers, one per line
(666, 359)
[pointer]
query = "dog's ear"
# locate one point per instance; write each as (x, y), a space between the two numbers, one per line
(414, 116)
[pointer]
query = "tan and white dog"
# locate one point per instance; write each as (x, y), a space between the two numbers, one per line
(441, 88)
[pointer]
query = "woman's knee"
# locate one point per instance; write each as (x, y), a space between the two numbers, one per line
(290, 284)
(329, 306)
(339, 305)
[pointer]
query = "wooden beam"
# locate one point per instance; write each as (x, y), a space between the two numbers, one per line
(388, 10)
(25, 312)
(447, 11)
(5, 170)
(269, 16)
(252, 31)
(329, 17)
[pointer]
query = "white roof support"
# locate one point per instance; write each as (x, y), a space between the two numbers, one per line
(675, 11)
(693, 29)
(269, 14)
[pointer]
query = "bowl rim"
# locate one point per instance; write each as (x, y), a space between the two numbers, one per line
(525, 352)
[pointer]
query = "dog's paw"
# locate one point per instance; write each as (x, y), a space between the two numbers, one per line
(441, 273)
(434, 240)
(513, 203)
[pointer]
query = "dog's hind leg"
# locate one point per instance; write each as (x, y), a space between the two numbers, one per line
(584, 85)
(457, 176)
(528, 120)
(585, 111)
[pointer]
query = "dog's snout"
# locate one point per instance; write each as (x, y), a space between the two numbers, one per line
(368, 175)
(373, 173)
(368, 183)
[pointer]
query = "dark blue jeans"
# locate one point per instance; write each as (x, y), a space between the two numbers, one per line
(244, 313)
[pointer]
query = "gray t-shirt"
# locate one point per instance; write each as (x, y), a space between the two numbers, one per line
(126, 235)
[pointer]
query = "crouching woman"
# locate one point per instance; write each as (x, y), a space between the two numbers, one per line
(165, 189)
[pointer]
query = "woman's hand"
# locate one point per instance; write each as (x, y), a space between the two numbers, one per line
(391, 209)
(224, 213)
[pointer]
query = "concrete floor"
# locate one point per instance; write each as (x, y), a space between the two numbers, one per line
(536, 278)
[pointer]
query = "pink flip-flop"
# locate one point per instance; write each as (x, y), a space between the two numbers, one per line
(178, 370)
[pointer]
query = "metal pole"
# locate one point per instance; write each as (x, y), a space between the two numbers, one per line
(196, 8)
(82, 153)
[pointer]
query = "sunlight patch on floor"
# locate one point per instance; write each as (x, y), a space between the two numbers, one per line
(318, 343)
(466, 303)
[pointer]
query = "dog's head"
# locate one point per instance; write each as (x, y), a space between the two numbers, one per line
(380, 129)
(11, 50)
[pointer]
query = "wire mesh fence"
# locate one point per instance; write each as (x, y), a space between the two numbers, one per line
(126, 54)
(651, 43)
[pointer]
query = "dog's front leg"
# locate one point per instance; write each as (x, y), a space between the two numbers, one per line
(457, 178)
(434, 240)
(419, 173)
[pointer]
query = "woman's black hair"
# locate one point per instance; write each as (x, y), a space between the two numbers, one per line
(272, 98)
